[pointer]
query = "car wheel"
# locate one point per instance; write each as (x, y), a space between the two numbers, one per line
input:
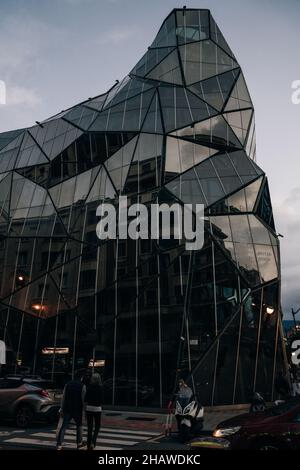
(24, 416)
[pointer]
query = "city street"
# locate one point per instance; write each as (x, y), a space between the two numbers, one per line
(126, 430)
(43, 438)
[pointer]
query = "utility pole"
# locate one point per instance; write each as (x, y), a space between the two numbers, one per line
(294, 313)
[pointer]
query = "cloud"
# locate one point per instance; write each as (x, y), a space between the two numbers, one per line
(116, 36)
(18, 95)
(22, 40)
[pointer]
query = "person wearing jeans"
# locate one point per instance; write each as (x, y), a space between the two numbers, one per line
(72, 408)
(93, 401)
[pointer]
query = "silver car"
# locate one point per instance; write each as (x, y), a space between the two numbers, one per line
(26, 399)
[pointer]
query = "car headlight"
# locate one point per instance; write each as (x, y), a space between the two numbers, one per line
(226, 431)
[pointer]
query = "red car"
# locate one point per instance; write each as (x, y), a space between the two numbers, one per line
(275, 428)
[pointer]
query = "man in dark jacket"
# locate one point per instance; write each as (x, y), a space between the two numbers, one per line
(71, 408)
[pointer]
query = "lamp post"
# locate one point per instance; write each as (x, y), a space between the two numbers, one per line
(294, 313)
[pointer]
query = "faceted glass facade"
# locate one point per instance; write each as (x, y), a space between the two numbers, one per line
(179, 127)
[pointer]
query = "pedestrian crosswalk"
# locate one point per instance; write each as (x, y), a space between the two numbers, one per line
(108, 439)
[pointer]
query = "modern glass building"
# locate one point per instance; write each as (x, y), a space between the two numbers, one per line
(178, 128)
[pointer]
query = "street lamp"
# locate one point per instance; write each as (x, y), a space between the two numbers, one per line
(294, 313)
(270, 310)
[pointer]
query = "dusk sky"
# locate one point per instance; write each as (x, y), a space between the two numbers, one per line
(55, 53)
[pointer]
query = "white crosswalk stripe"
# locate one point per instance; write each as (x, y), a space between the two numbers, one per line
(108, 439)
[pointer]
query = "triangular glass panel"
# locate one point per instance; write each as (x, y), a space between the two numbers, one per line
(215, 90)
(239, 97)
(145, 169)
(168, 70)
(186, 188)
(167, 33)
(117, 166)
(239, 122)
(241, 201)
(96, 103)
(182, 155)
(204, 59)
(131, 88)
(218, 37)
(150, 60)
(81, 116)
(102, 187)
(264, 208)
(152, 122)
(250, 144)
(30, 153)
(214, 132)
(5, 186)
(9, 154)
(126, 116)
(54, 136)
(180, 108)
(72, 191)
(7, 137)
(120, 87)
(246, 169)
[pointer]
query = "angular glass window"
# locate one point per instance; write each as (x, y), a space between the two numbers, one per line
(151, 59)
(250, 144)
(153, 122)
(239, 122)
(180, 108)
(260, 233)
(192, 25)
(204, 59)
(130, 88)
(96, 103)
(167, 33)
(187, 188)
(218, 37)
(136, 110)
(215, 90)
(118, 165)
(81, 116)
(264, 208)
(182, 155)
(266, 262)
(245, 167)
(102, 187)
(214, 132)
(239, 97)
(167, 70)
(8, 137)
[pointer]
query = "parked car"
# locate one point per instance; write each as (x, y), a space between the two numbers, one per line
(277, 428)
(26, 399)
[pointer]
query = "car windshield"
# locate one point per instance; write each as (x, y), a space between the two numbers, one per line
(283, 408)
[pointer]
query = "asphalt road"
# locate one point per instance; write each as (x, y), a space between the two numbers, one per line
(43, 437)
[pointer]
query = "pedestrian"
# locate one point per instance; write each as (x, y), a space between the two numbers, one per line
(72, 408)
(93, 402)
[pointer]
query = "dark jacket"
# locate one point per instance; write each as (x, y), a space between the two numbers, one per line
(73, 398)
(94, 395)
